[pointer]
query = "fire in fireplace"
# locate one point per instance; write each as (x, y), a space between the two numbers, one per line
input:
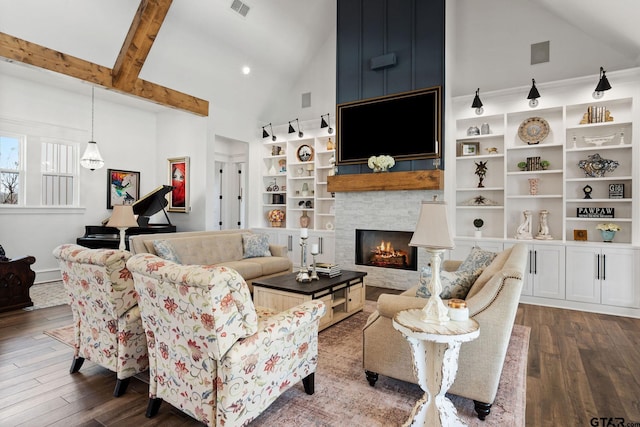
(389, 249)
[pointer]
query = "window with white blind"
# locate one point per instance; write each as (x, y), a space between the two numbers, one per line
(59, 173)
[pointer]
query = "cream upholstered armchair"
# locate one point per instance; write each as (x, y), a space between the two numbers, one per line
(212, 354)
(492, 300)
(107, 323)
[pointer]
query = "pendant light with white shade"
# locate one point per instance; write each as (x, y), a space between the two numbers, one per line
(91, 159)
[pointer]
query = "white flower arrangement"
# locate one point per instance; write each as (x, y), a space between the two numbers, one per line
(381, 162)
(608, 227)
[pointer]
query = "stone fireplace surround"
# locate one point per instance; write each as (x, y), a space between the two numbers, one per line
(378, 210)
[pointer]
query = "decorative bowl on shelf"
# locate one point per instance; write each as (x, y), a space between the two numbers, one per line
(595, 166)
(598, 140)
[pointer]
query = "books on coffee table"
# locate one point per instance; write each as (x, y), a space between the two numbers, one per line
(327, 269)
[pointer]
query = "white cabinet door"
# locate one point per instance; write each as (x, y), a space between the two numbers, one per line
(602, 275)
(326, 245)
(583, 274)
(618, 277)
(545, 273)
(284, 237)
(527, 279)
(548, 271)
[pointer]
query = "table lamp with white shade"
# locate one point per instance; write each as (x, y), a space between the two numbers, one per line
(122, 218)
(432, 233)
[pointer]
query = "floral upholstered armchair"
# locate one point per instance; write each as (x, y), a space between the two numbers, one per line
(212, 354)
(107, 323)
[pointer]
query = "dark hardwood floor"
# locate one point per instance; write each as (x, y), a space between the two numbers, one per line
(581, 366)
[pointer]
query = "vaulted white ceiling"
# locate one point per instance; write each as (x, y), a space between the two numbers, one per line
(203, 44)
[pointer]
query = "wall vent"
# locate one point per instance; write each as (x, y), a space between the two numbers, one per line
(539, 53)
(306, 100)
(240, 7)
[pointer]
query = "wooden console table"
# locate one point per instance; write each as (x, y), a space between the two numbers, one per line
(16, 277)
(343, 295)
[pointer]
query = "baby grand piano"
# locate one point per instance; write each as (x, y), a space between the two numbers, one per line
(100, 236)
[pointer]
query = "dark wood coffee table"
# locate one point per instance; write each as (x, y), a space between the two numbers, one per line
(343, 295)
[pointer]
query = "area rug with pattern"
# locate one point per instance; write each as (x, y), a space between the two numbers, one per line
(343, 395)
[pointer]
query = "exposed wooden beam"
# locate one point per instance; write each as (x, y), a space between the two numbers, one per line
(142, 33)
(33, 54)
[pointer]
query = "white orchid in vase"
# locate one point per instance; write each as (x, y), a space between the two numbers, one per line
(381, 163)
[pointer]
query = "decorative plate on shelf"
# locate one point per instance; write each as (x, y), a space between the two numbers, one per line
(533, 130)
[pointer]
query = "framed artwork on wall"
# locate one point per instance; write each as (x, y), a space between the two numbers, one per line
(179, 179)
(123, 187)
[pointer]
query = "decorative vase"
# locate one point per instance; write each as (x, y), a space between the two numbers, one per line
(304, 220)
(533, 186)
(276, 223)
(608, 235)
(378, 169)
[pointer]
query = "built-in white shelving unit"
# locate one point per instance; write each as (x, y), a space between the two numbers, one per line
(576, 268)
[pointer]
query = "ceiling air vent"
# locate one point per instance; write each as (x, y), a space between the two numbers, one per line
(241, 8)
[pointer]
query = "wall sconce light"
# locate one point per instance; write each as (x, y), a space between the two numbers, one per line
(533, 95)
(326, 123)
(477, 104)
(603, 84)
(292, 130)
(91, 159)
(265, 134)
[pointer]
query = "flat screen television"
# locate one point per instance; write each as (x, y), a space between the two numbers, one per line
(406, 126)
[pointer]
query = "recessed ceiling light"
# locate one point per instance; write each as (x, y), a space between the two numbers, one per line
(246, 70)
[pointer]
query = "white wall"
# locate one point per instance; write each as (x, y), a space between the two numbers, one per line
(493, 46)
(182, 134)
(126, 136)
(318, 78)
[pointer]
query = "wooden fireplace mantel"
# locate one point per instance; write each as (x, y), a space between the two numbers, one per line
(387, 181)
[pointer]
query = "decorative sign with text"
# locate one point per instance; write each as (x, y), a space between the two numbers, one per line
(616, 191)
(595, 212)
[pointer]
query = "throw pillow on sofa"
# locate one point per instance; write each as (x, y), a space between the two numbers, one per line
(255, 245)
(455, 284)
(165, 250)
(478, 259)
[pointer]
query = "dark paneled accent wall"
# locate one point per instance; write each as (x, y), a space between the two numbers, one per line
(412, 29)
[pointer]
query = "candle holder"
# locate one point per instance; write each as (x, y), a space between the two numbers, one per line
(314, 273)
(303, 274)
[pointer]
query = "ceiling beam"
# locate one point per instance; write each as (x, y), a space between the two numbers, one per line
(29, 53)
(142, 33)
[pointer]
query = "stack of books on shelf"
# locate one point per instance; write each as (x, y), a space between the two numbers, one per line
(326, 269)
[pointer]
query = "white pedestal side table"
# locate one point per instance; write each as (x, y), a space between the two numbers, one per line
(435, 350)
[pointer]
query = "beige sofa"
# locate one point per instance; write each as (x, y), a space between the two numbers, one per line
(492, 301)
(220, 248)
